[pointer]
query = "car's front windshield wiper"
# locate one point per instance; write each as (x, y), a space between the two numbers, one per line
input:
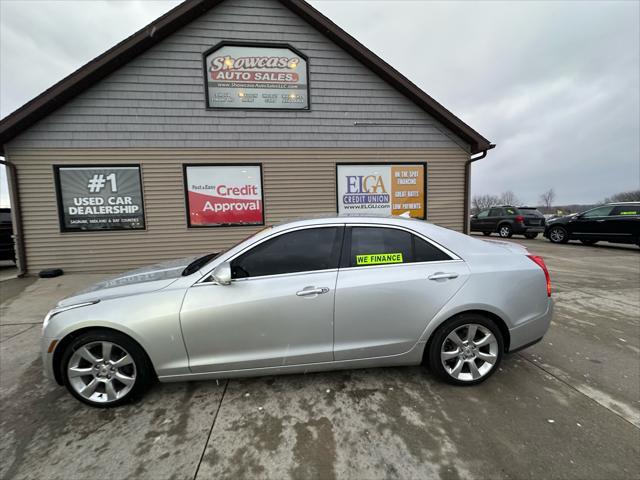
(198, 263)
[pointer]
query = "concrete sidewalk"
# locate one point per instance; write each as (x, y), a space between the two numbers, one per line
(568, 407)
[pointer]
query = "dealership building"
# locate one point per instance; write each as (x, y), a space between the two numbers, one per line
(218, 118)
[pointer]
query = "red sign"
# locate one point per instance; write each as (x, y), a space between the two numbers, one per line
(224, 195)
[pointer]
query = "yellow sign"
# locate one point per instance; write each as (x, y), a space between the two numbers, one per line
(378, 258)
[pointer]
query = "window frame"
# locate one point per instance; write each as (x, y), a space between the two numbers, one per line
(345, 259)
(207, 278)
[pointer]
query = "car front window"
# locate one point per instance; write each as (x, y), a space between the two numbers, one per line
(598, 212)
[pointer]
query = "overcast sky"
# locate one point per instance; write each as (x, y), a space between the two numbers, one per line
(556, 85)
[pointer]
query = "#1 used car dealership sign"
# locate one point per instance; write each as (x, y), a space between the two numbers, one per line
(242, 76)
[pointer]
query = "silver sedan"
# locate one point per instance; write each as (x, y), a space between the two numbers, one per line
(311, 295)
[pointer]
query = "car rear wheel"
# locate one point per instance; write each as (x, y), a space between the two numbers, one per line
(466, 350)
(486, 234)
(589, 242)
(558, 235)
(505, 230)
(530, 236)
(105, 369)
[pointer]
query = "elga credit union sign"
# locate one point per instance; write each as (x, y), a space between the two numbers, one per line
(100, 198)
(382, 189)
(224, 195)
(256, 77)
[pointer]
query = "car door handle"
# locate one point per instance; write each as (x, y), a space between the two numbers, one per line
(443, 276)
(312, 291)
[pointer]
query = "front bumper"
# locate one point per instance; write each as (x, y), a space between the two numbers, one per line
(532, 330)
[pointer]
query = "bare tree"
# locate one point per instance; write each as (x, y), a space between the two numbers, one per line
(632, 196)
(509, 198)
(480, 202)
(547, 198)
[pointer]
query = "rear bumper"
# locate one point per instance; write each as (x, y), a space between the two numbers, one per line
(531, 331)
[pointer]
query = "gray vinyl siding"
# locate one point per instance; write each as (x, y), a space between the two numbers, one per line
(296, 183)
(157, 99)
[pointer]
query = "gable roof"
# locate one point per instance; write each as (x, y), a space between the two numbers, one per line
(101, 66)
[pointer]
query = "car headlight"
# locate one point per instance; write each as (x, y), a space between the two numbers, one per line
(55, 311)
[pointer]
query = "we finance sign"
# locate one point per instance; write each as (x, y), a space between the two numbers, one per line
(254, 77)
(382, 189)
(219, 195)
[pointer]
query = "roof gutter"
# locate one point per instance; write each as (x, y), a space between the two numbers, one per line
(467, 185)
(16, 214)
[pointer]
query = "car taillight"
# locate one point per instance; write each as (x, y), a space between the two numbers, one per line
(520, 219)
(537, 259)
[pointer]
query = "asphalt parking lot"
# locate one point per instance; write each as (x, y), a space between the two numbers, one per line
(568, 407)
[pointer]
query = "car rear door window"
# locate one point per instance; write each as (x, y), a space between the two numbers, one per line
(299, 251)
(624, 210)
(374, 246)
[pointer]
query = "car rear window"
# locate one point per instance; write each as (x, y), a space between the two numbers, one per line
(530, 211)
(626, 210)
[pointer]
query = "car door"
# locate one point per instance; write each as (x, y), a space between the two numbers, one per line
(591, 224)
(277, 311)
(495, 215)
(479, 222)
(390, 284)
(623, 223)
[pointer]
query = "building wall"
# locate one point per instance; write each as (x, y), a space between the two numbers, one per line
(296, 183)
(157, 100)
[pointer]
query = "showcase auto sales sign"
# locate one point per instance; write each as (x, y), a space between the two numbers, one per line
(224, 195)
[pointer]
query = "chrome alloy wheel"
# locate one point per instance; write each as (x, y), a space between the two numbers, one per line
(556, 235)
(469, 352)
(505, 231)
(101, 372)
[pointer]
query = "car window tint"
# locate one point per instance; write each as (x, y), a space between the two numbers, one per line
(300, 251)
(626, 210)
(425, 252)
(483, 214)
(378, 246)
(495, 212)
(598, 212)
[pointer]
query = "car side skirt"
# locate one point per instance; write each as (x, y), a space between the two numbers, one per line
(412, 357)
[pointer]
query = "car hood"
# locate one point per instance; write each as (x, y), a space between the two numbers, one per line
(141, 280)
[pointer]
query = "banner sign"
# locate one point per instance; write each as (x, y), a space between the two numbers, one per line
(256, 77)
(100, 198)
(382, 189)
(224, 195)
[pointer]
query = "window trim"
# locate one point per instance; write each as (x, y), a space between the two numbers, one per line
(205, 279)
(346, 252)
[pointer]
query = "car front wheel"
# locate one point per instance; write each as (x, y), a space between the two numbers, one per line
(105, 369)
(558, 235)
(466, 350)
(505, 231)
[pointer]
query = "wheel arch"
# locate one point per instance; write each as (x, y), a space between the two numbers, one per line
(62, 345)
(500, 323)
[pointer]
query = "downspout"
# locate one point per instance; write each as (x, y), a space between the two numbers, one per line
(467, 186)
(16, 213)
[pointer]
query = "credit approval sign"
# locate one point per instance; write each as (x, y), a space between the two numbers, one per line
(219, 195)
(382, 189)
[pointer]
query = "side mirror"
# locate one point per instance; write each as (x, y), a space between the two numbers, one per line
(222, 273)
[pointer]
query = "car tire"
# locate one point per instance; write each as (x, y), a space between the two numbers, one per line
(456, 368)
(530, 236)
(558, 235)
(505, 230)
(124, 376)
(486, 234)
(589, 242)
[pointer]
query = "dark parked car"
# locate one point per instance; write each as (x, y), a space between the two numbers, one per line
(6, 235)
(507, 220)
(614, 222)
